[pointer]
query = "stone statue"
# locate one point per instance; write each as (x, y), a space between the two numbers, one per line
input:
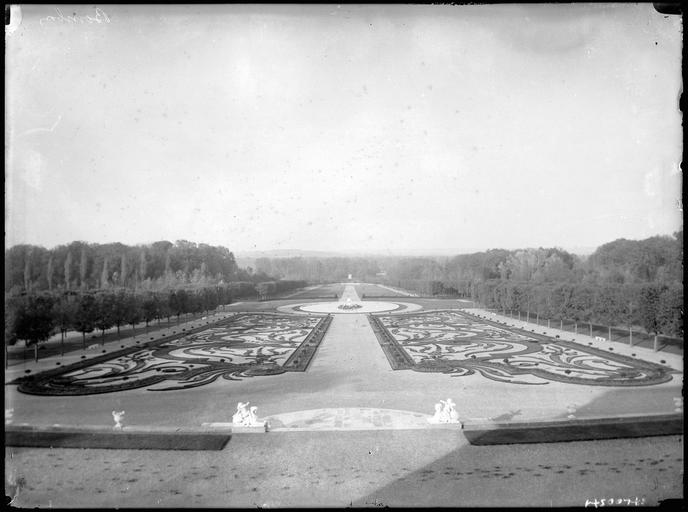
(119, 418)
(450, 413)
(252, 418)
(445, 412)
(246, 417)
(241, 414)
(437, 417)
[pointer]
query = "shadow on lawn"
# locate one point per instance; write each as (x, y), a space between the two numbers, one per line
(548, 474)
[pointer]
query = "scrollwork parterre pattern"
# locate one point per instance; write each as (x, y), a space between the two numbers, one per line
(460, 344)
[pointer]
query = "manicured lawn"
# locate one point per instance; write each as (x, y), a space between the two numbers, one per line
(373, 290)
(325, 290)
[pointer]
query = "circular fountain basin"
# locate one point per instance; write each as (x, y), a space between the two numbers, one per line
(334, 307)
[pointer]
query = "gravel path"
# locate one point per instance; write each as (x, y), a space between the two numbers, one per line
(394, 468)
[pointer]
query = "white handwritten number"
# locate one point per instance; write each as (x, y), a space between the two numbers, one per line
(611, 501)
(100, 16)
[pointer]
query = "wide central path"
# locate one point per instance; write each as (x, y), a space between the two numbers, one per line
(349, 293)
(351, 361)
(350, 348)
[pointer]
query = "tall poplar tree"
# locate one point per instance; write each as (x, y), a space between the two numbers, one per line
(50, 271)
(104, 274)
(123, 270)
(83, 268)
(27, 271)
(68, 270)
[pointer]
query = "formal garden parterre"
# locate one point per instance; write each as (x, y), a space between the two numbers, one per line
(459, 344)
(245, 345)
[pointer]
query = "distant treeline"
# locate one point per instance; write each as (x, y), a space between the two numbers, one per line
(83, 266)
(624, 282)
(658, 259)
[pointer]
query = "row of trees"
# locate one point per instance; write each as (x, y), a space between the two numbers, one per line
(82, 266)
(268, 289)
(637, 282)
(618, 273)
(657, 308)
(35, 317)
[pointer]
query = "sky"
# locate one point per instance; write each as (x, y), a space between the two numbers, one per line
(388, 129)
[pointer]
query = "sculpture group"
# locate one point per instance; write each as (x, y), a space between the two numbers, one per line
(246, 417)
(349, 305)
(445, 412)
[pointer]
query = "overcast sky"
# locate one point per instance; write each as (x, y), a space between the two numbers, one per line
(371, 128)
